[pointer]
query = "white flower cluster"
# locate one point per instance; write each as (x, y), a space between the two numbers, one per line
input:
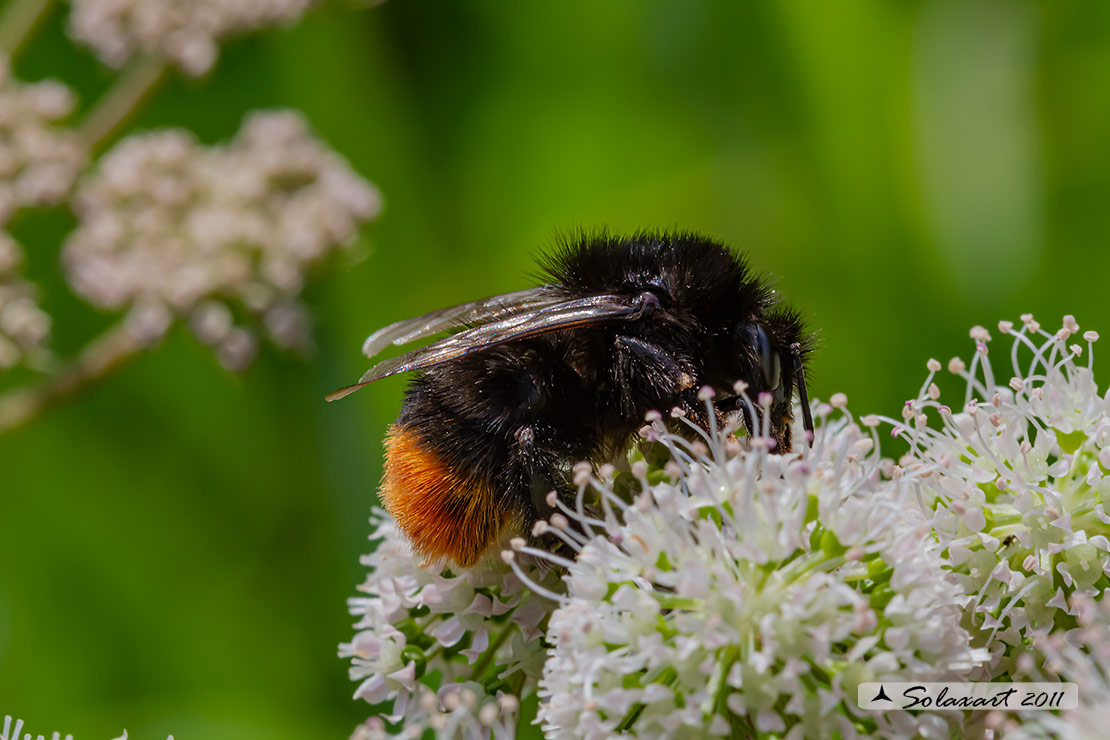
(184, 32)
(709, 588)
(171, 228)
(1082, 656)
(24, 327)
(39, 160)
(750, 594)
(10, 731)
(1014, 480)
(451, 652)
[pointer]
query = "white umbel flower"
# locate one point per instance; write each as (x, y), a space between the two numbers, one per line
(477, 632)
(186, 33)
(39, 160)
(24, 327)
(1013, 477)
(14, 731)
(711, 588)
(1081, 656)
(749, 593)
(170, 228)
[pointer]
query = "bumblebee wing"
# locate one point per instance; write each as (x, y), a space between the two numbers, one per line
(476, 312)
(567, 314)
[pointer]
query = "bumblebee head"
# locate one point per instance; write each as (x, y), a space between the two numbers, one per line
(772, 351)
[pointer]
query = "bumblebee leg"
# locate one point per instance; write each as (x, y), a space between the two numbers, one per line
(538, 471)
(533, 472)
(646, 373)
(737, 403)
(803, 396)
(781, 431)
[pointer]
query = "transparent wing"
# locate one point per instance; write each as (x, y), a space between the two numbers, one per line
(475, 312)
(567, 314)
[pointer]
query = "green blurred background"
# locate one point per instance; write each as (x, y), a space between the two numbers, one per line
(177, 543)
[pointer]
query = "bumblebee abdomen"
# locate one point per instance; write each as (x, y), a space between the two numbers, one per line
(444, 512)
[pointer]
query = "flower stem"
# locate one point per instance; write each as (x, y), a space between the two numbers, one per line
(18, 23)
(631, 717)
(522, 719)
(487, 656)
(100, 357)
(718, 688)
(799, 567)
(122, 101)
(667, 678)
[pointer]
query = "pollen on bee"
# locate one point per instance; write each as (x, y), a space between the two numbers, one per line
(445, 515)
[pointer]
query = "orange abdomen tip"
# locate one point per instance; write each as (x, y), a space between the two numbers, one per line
(444, 513)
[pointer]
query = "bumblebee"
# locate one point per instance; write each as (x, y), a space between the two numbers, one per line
(539, 379)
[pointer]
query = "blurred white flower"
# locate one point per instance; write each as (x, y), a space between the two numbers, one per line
(171, 228)
(1014, 482)
(1081, 656)
(186, 33)
(748, 593)
(10, 731)
(476, 631)
(24, 327)
(39, 160)
(122, 737)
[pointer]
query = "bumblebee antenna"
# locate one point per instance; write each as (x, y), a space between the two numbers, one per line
(803, 396)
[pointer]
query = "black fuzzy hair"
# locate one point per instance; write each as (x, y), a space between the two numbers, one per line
(683, 265)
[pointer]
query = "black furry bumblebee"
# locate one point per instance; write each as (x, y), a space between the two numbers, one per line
(542, 378)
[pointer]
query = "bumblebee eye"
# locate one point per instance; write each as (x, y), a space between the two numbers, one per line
(770, 364)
